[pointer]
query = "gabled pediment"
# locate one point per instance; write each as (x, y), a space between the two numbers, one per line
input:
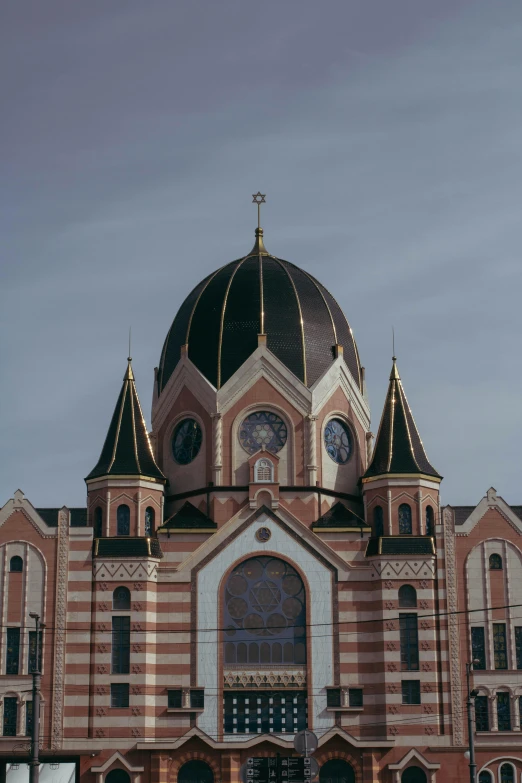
(19, 503)
(414, 755)
(490, 501)
(117, 757)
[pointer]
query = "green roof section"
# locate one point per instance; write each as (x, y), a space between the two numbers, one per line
(398, 448)
(127, 450)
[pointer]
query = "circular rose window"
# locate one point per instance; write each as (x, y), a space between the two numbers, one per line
(338, 441)
(262, 428)
(186, 441)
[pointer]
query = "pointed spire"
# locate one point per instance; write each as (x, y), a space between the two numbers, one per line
(127, 450)
(259, 248)
(398, 447)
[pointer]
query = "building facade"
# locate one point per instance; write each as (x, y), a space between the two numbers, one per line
(260, 563)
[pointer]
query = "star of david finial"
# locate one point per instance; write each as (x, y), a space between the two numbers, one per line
(259, 198)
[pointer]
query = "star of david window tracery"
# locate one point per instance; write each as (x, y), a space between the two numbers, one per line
(263, 429)
(264, 614)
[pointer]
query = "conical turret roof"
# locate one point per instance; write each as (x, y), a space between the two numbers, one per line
(398, 448)
(127, 450)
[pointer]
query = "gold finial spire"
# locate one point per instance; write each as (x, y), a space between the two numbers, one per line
(129, 375)
(259, 247)
(394, 375)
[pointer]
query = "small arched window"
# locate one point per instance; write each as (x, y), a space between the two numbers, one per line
(123, 520)
(507, 774)
(495, 563)
(121, 599)
(16, 564)
(407, 596)
(405, 526)
(430, 523)
(378, 522)
(485, 777)
(263, 470)
(98, 522)
(149, 521)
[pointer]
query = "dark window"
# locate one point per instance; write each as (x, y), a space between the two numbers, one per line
(265, 613)
(495, 563)
(378, 521)
(197, 699)
(485, 777)
(481, 713)
(405, 524)
(28, 718)
(336, 771)
(98, 522)
(409, 642)
(32, 651)
(333, 697)
(407, 596)
(119, 694)
(121, 599)
(503, 712)
(16, 564)
(10, 716)
(499, 645)
(175, 699)
(355, 697)
(118, 776)
(414, 775)
(149, 521)
(195, 772)
(506, 774)
(123, 520)
(411, 692)
(478, 648)
(263, 712)
(338, 441)
(186, 441)
(13, 651)
(518, 645)
(120, 645)
(430, 522)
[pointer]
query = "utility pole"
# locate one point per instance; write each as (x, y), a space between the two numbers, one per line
(34, 763)
(471, 704)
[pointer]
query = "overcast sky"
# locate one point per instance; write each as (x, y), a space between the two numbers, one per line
(387, 136)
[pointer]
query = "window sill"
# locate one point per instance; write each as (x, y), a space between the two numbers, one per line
(185, 709)
(344, 709)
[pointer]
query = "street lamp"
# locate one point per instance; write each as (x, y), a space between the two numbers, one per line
(470, 704)
(34, 762)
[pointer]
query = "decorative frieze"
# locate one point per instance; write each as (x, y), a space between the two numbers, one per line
(288, 678)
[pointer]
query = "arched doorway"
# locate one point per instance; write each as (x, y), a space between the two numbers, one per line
(414, 775)
(336, 771)
(118, 776)
(195, 772)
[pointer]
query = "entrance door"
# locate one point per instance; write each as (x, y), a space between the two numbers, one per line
(336, 771)
(414, 775)
(195, 772)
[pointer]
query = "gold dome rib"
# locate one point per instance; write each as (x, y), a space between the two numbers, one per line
(210, 279)
(118, 428)
(404, 403)
(325, 303)
(223, 309)
(303, 343)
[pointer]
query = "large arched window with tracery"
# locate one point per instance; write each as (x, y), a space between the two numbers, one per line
(264, 614)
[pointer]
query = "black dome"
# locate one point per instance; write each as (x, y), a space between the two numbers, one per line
(221, 318)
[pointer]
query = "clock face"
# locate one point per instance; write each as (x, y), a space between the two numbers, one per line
(262, 428)
(338, 441)
(186, 441)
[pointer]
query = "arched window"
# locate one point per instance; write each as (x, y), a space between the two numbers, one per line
(485, 777)
(118, 776)
(195, 772)
(149, 521)
(414, 775)
(378, 521)
(405, 527)
(336, 771)
(430, 522)
(123, 519)
(98, 522)
(16, 564)
(407, 596)
(264, 613)
(263, 470)
(495, 563)
(121, 599)
(507, 773)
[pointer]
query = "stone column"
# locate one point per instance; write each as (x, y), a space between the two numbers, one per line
(389, 496)
(492, 700)
(312, 450)
(217, 437)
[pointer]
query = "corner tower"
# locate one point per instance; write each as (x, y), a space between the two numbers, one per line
(125, 488)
